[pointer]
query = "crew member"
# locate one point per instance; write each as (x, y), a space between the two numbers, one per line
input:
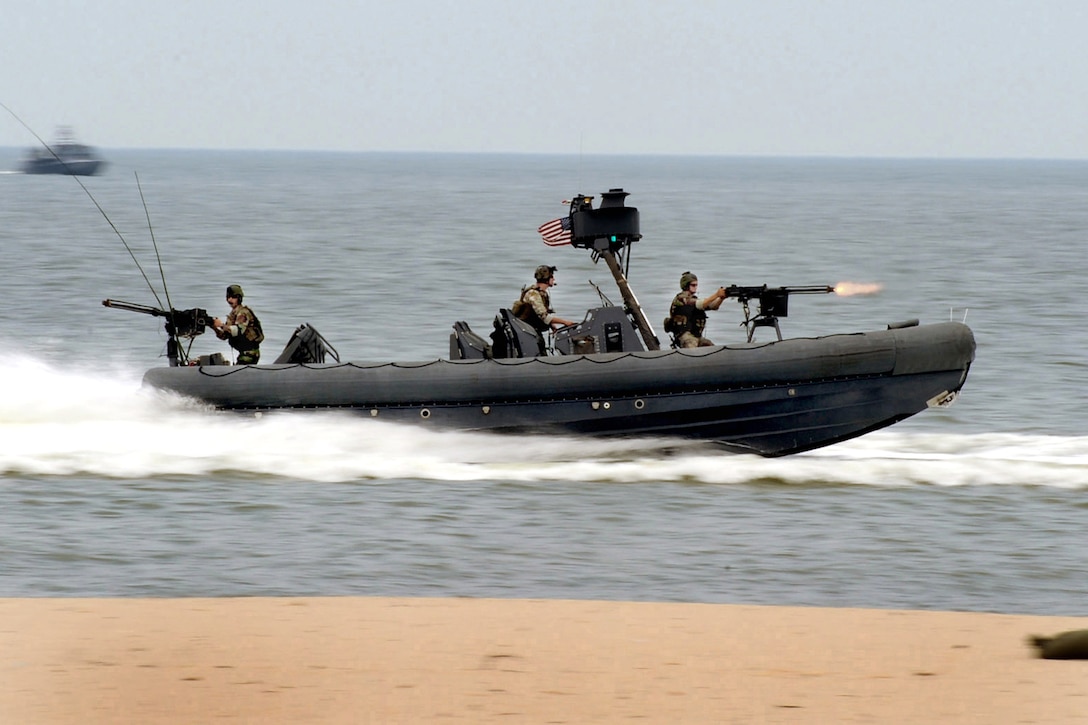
(535, 306)
(241, 329)
(687, 314)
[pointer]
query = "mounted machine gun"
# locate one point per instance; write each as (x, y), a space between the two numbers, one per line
(179, 324)
(773, 303)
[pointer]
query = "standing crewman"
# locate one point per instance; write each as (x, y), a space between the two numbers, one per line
(687, 316)
(241, 329)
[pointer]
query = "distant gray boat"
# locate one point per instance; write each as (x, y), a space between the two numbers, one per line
(64, 156)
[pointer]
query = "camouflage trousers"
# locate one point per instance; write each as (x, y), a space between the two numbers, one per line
(249, 357)
(688, 339)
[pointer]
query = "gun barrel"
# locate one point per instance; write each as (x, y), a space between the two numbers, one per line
(816, 289)
(182, 323)
(134, 307)
(747, 293)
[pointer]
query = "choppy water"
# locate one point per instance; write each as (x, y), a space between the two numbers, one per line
(112, 490)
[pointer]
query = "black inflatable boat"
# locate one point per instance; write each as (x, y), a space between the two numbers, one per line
(608, 374)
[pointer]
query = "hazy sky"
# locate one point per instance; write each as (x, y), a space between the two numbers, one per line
(975, 78)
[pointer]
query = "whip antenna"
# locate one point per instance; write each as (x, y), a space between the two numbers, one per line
(154, 243)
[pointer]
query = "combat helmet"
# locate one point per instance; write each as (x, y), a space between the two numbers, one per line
(235, 290)
(686, 279)
(544, 273)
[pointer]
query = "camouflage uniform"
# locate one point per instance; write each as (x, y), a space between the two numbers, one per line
(243, 332)
(535, 307)
(687, 320)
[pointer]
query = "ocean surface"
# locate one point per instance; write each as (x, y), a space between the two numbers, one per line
(109, 489)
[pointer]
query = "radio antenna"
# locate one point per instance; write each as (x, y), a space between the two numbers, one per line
(154, 243)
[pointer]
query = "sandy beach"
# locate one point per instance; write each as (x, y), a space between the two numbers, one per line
(391, 660)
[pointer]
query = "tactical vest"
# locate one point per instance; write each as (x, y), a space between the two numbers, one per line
(685, 318)
(253, 336)
(524, 311)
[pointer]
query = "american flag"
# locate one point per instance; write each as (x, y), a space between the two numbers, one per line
(556, 233)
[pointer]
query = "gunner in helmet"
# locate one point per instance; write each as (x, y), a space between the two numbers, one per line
(241, 329)
(687, 314)
(535, 306)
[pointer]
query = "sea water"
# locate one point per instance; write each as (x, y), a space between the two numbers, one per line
(110, 489)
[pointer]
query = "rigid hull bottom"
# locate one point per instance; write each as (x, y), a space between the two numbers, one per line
(771, 421)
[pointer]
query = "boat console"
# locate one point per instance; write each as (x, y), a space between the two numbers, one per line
(607, 232)
(604, 329)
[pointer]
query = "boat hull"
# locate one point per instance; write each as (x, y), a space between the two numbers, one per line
(67, 167)
(773, 399)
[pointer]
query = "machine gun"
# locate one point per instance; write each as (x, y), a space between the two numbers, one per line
(773, 302)
(179, 324)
